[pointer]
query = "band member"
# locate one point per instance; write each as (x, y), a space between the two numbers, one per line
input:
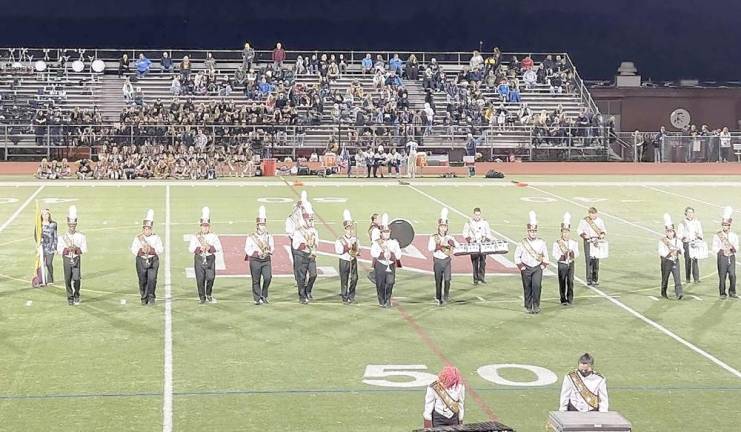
(688, 231)
(584, 389)
(204, 246)
(592, 230)
(412, 158)
(444, 400)
(295, 221)
(258, 249)
(348, 249)
(374, 233)
(49, 243)
(71, 246)
(670, 248)
(305, 242)
(477, 230)
(531, 257)
(147, 248)
(566, 250)
(442, 245)
(725, 245)
(386, 255)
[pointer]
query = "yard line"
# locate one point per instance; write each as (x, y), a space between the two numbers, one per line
(695, 297)
(687, 197)
(654, 298)
(20, 209)
(616, 302)
(167, 397)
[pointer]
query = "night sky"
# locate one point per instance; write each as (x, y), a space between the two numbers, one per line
(666, 39)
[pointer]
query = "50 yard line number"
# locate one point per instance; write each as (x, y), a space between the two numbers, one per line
(416, 377)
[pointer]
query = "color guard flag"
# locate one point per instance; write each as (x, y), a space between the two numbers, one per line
(39, 278)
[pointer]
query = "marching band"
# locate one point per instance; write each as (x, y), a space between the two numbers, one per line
(386, 249)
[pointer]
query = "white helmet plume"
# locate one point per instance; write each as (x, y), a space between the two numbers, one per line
(668, 221)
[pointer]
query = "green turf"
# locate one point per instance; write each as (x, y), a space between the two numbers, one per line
(100, 366)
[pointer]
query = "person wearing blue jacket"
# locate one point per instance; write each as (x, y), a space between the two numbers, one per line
(142, 65)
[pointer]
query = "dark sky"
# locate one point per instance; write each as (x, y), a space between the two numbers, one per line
(666, 39)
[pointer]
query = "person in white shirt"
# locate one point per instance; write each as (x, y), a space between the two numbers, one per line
(566, 250)
(347, 248)
(71, 246)
(477, 230)
(295, 221)
(412, 158)
(442, 246)
(147, 248)
(531, 257)
(305, 242)
(584, 389)
(204, 247)
(445, 399)
(592, 230)
(670, 248)
(386, 255)
(689, 231)
(725, 245)
(258, 249)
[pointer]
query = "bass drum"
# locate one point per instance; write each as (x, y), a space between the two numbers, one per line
(402, 231)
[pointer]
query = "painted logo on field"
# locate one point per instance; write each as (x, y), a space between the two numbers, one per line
(416, 258)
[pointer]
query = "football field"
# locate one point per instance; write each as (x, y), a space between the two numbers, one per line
(111, 364)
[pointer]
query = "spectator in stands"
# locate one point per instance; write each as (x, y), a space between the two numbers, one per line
(395, 64)
(411, 69)
(503, 90)
(525, 114)
(476, 63)
(185, 68)
(124, 66)
(514, 91)
(248, 56)
(299, 67)
(555, 83)
(166, 63)
(725, 145)
(142, 65)
(527, 63)
(138, 97)
(366, 64)
(210, 64)
(548, 64)
(128, 91)
(530, 77)
(279, 56)
(379, 65)
(342, 64)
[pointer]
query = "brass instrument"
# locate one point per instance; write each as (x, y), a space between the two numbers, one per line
(71, 249)
(446, 248)
(310, 241)
(204, 247)
(674, 251)
(354, 249)
(264, 246)
(386, 252)
(146, 248)
(727, 246)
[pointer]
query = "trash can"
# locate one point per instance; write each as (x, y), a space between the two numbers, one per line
(268, 167)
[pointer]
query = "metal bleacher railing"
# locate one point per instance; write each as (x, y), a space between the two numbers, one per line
(680, 147)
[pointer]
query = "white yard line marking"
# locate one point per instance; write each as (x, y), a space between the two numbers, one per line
(653, 298)
(687, 197)
(481, 299)
(167, 396)
(695, 297)
(123, 301)
(612, 299)
(29, 303)
(20, 209)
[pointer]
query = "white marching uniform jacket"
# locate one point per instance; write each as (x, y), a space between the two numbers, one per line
(477, 231)
(154, 241)
(433, 402)
(718, 244)
(595, 382)
(522, 256)
(375, 233)
(299, 241)
(210, 238)
(293, 224)
(445, 240)
(251, 249)
(343, 245)
(68, 240)
(690, 230)
(585, 228)
(665, 250)
(394, 250)
(571, 245)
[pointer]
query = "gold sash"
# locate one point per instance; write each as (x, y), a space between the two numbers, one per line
(452, 405)
(594, 226)
(727, 246)
(529, 249)
(263, 246)
(590, 398)
(673, 249)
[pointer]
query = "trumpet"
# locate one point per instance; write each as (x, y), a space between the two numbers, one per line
(386, 252)
(354, 250)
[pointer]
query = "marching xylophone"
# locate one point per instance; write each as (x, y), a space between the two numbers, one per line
(490, 426)
(698, 249)
(487, 248)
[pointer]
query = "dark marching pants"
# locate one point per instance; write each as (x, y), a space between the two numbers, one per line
(147, 277)
(531, 280)
(478, 262)
(441, 267)
(72, 277)
(348, 279)
(669, 267)
(566, 282)
(440, 420)
(726, 267)
(205, 275)
(49, 267)
(306, 274)
(260, 268)
(592, 264)
(691, 266)
(385, 281)
(294, 255)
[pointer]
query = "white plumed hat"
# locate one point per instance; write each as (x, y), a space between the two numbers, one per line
(308, 210)
(148, 219)
(304, 197)
(566, 224)
(668, 222)
(205, 216)
(261, 216)
(727, 213)
(443, 217)
(346, 218)
(532, 222)
(385, 222)
(72, 215)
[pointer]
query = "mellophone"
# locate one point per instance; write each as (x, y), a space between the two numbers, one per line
(486, 248)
